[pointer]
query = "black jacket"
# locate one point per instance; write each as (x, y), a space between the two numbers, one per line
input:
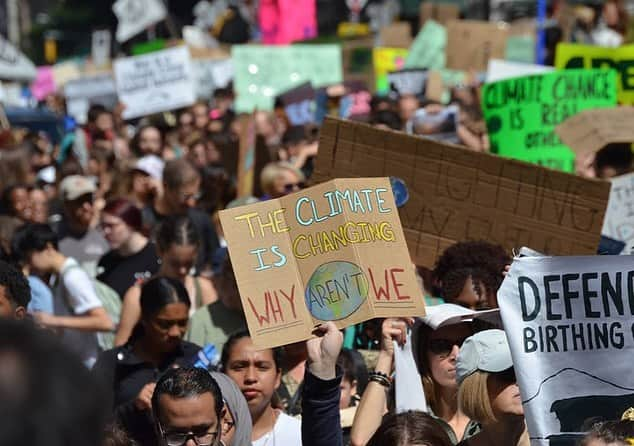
(124, 374)
(321, 422)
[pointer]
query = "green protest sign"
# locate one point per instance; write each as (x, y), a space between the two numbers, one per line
(262, 72)
(522, 113)
(428, 49)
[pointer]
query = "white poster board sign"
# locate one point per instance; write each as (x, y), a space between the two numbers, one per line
(210, 75)
(101, 41)
(619, 217)
(14, 66)
(135, 16)
(81, 93)
(498, 70)
(570, 325)
(155, 82)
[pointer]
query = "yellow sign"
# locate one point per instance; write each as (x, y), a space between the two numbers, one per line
(349, 29)
(587, 56)
(385, 61)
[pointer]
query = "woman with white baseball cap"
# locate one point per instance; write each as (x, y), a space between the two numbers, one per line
(488, 390)
(437, 340)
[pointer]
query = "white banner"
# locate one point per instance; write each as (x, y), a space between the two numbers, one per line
(136, 16)
(498, 70)
(619, 217)
(569, 321)
(155, 82)
(14, 66)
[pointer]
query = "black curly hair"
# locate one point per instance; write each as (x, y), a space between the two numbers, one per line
(16, 286)
(481, 261)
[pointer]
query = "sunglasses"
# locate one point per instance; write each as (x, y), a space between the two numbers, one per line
(291, 187)
(443, 347)
(507, 376)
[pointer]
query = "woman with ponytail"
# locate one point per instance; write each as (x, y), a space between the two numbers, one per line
(131, 371)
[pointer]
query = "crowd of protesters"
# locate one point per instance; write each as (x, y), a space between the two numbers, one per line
(122, 322)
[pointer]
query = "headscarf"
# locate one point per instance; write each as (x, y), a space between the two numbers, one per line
(238, 407)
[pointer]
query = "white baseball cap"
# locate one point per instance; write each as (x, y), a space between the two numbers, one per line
(487, 351)
(151, 165)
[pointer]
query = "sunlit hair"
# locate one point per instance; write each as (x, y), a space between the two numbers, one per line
(474, 399)
(272, 171)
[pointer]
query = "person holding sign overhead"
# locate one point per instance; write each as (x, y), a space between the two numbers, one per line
(438, 345)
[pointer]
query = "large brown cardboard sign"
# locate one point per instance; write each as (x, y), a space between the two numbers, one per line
(396, 35)
(438, 12)
(334, 252)
(471, 43)
(453, 194)
(591, 130)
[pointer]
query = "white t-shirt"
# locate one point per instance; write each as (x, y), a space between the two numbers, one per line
(74, 296)
(287, 432)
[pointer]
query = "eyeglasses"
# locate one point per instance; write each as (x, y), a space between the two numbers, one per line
(292, 187)
(443, 347)
(180, 438)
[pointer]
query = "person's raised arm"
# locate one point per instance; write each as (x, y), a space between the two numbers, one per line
(321, 425)
(373, 404)
(130, 315)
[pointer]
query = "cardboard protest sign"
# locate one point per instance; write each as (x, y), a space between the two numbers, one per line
(135, 16)
(471, 43)
(619, 217)
(385, 61)
(155, 82)
(262, 72)
(428, 49)
(591, 130)
(569, 325)
(285, 21)
(439, 12)
(621, 59)
(499, 70)
(396, 35)
(455, 194)
(522, 113)
(334, 252)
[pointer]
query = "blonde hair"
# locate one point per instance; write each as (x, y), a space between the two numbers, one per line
(272, 171)
(474, 400)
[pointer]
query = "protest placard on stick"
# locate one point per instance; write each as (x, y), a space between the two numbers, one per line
(569, 322)
(450, 194)
(522, 113)
(334, 252)
(471, 43)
